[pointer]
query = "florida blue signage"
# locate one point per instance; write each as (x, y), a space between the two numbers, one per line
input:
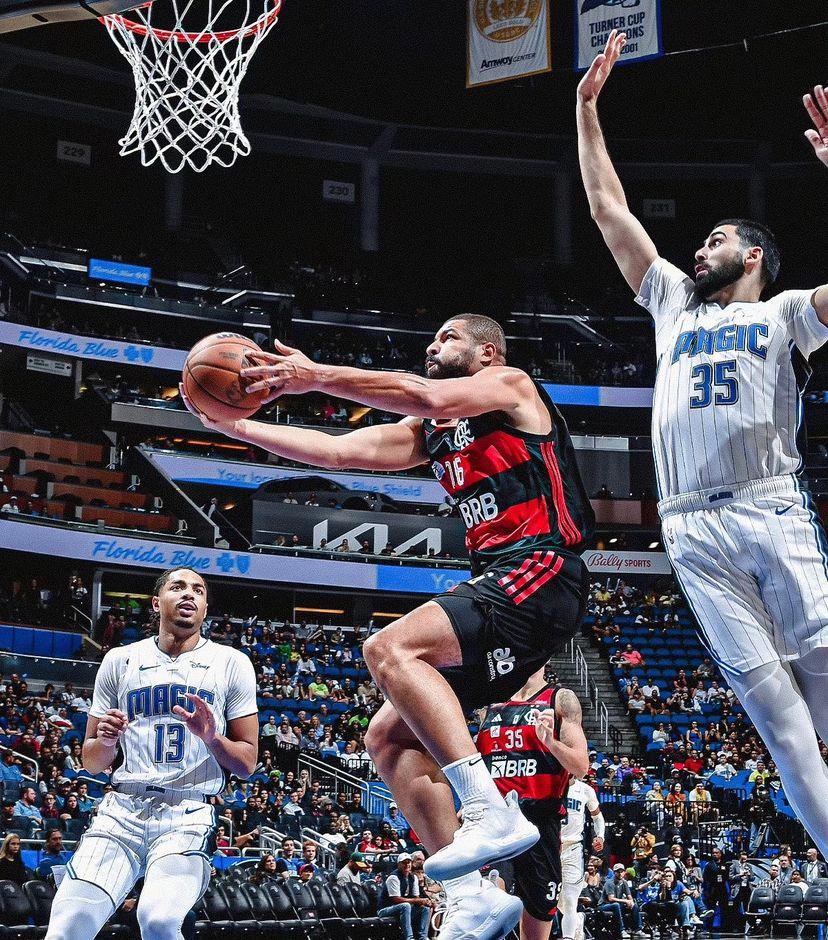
(118, 272)
(90, 347)
(148, 553)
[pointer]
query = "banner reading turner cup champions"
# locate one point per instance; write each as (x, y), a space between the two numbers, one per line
(507, 39)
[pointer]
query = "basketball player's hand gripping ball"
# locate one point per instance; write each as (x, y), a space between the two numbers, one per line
(288, 371)
(200, 720)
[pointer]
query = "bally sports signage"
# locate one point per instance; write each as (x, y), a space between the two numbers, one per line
(506, 39)
(596, 19)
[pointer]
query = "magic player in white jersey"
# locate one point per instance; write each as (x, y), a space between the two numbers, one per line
(178, 711)
(745, 543)
(580, 800)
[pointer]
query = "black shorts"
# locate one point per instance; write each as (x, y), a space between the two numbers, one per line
(535, 875)
(510, 620)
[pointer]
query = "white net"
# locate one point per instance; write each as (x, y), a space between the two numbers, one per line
(187, 77)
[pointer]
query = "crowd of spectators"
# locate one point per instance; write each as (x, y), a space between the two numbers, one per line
(316, 699)
(632, 889)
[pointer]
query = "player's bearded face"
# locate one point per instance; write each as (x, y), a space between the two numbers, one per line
(719, 273)
(453, 360)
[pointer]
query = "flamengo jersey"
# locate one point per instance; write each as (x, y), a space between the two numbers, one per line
(515, 757)
(727, 405)
(515, 490)
(145, 683)
(580, 798)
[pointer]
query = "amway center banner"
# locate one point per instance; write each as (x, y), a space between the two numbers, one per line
(596, 19)
(507, 39)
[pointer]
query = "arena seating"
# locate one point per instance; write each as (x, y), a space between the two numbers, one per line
(275, 910)
(66, 479)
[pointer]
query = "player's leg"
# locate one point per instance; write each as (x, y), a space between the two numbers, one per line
(172, 886)
(538, 878)
(419, 786)
(572, 880)
(777, 708)
(79, 911)
(404, 659)
(795, 589)
(99, 876)
(425, 798)
(736, 623)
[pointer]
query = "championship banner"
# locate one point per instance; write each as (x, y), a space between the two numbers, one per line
(507, 39)
(596, 19)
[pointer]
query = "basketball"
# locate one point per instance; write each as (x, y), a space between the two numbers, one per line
(212, 381)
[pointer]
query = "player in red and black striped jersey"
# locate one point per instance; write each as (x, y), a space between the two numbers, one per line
(501, 446)
(531, 745)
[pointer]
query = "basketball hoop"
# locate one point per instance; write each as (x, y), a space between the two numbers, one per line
(187, 82)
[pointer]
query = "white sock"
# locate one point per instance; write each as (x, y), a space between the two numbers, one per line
(472, 782)
(465, 884)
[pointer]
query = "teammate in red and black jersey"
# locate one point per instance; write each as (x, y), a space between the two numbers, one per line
(499, 443)
(531, 745)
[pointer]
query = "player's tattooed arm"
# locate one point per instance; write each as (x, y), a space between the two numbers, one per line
(101, 741)
(570, 747)
(238, 750)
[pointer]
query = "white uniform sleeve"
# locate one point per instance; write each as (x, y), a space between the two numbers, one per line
(106, 686)
(592, 800)
(664, 292)
(241, 689)
(800, 318)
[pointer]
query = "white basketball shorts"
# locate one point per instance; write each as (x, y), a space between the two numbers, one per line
(751, 560)
(129, 833)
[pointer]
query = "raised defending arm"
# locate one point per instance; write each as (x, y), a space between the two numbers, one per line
(625, 236)
(816, 105)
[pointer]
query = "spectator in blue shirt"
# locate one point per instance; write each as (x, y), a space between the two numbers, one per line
(289, 856)
(26, 806)
(53, 854)
(10, 770)
(85, 802)
(395, 819)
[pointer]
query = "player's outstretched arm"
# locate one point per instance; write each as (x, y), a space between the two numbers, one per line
(816, 104)
(626, 238)
(290, 372)
(384, 447)
(570, 747)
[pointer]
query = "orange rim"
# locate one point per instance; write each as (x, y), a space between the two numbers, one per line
(166, 35)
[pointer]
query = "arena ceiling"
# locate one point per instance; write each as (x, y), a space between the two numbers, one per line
(404, 61)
